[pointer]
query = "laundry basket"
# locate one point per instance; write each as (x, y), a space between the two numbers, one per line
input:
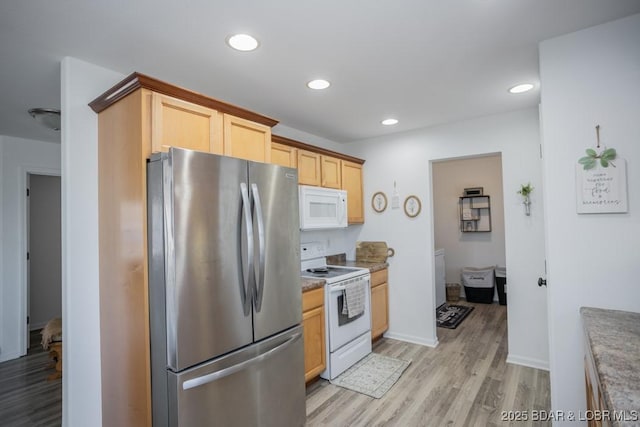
(501, 283)
(478, 284)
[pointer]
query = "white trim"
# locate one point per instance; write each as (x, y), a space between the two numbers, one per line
(22, 224)
(412, 339)
(529, 362)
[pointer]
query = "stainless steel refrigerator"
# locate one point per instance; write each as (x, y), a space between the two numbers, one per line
(224, 292)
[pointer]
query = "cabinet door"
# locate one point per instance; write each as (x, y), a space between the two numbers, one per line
(308, 168)
(331, 172)
(177, 123)
(314, 338)
(247, 140)
(284, 155)
(379, 310)
(352, 183)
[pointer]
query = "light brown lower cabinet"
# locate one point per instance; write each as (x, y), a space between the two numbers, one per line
(314, 334)
(595, 401)
(379, 303)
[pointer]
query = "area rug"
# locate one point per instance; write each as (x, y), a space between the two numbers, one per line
(374, 375)
(451, 315)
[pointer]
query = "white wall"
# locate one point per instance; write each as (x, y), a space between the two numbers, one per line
(450, 178)
(405, 158)
(19, 156)
(588, 78)
(81, 83)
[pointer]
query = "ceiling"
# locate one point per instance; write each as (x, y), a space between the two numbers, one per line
(424, 62)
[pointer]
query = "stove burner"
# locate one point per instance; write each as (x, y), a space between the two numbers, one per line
(318, 270)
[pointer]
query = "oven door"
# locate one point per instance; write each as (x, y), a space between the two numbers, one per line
(341, 329)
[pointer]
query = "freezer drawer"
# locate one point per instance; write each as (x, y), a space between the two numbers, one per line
(260, 385)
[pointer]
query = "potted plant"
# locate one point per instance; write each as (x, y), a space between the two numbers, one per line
(524, 191)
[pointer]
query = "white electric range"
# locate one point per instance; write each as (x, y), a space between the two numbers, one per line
(347, 339)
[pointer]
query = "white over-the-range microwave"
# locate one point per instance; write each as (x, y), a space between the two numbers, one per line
(322, 208)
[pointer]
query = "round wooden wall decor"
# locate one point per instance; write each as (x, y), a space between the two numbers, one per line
(379, 202)
(412, 206)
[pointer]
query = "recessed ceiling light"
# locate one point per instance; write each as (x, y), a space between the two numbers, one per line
(242, 42)
(389, 122)
(318, 84)
(525, 87)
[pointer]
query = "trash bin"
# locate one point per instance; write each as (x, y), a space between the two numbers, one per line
(453, 292)
(501, 282)
(478, 284)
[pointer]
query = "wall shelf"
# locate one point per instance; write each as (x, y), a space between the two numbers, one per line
(475, 214)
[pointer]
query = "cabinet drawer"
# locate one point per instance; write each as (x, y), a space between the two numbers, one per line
(312, 299)
(379, 277)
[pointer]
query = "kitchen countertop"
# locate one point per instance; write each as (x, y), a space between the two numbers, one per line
(309, 284)
(341, 259)
(613, 337)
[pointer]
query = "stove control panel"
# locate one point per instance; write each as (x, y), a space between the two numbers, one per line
(312, 250)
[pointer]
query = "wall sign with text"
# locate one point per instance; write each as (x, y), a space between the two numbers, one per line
(602, 189)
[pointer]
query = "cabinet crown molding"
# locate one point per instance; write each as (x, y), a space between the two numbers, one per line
(136, 80)
(301, 145)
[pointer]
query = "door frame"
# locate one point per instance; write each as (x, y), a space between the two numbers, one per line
(23, 220)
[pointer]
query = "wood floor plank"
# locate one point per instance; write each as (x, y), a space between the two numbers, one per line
(27, 398)
(465, 381)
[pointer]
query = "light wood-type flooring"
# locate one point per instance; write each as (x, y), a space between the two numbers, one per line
(464, 381)
(27, 398)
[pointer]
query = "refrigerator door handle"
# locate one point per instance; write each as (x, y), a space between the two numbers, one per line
(261, 243)
(215, 376)
(246, 280)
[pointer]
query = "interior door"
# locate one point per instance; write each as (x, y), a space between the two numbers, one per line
(28, 240)
(277, 294)
(208, 305)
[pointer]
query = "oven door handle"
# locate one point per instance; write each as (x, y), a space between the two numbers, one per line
(337, 288)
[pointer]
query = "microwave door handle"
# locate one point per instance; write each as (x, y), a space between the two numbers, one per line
(344, 209)
(259, 282)
(246, 280)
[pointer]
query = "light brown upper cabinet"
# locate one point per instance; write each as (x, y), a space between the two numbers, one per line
(309, 168)
(324, 168)
(352, 183)
(136, 117)
(331, 172)
(284, 155)
(247, 140)
(178, 123)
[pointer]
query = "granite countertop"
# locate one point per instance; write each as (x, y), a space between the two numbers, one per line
(309, 284)
(341, 259)
(614, 339)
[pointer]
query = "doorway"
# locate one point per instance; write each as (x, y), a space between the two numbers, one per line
(477, 239)
(44, 264)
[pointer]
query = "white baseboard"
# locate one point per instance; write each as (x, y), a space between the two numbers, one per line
(412, 339)
(9, 356)
(529, 362)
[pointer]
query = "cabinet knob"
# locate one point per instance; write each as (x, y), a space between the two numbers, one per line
(542, 282)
